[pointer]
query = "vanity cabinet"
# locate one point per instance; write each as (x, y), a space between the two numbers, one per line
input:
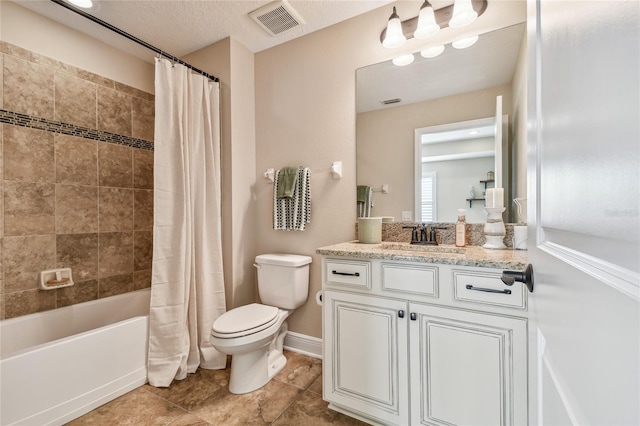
(410, 344)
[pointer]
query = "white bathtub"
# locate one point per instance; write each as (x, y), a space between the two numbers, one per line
(58, 365)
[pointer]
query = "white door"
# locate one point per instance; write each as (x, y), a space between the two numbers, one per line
(467, 368)
(584, 198)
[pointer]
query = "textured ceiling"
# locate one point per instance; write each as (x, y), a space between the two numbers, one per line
(182, 27)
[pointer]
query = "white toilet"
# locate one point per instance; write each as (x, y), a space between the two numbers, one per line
(253, 334)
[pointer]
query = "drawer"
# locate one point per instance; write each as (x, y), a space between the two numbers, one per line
(348, 272)
(468, 287)
(421, 280)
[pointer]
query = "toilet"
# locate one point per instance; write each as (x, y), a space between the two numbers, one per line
(254, 334)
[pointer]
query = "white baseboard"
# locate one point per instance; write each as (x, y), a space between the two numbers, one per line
(301, 343)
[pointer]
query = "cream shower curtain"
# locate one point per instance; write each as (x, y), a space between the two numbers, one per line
(187, 292)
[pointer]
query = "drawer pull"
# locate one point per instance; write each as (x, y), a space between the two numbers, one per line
(413, 316)
(400, 313)
(354, 274)
(487, 290)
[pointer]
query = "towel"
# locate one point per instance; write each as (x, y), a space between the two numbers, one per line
(292, 214)
(363, 193)
(365, 200)
(287, 179)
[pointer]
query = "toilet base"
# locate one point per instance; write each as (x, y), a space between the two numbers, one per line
(253, 370)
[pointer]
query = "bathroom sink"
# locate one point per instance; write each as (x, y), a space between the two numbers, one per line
(422, 248)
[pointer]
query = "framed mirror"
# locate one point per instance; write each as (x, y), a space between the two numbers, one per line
(395, 103)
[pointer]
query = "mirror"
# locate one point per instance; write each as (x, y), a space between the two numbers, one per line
(394, 104)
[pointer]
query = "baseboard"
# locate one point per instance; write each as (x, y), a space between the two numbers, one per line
(301, 343)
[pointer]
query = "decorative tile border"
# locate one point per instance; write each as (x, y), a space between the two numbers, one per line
(24, 120)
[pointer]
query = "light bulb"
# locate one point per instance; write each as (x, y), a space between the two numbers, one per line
(394, 36)
(432, 52)
(85, 4)
(403, 60)
(463, 43)
(463, 14)
(427, 25)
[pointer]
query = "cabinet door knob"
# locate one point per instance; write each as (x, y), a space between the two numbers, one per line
(400, 313)
(413, 316)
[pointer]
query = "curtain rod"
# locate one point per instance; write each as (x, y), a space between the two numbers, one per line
(133, 38)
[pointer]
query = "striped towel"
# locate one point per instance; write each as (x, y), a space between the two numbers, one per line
(292, 214)
(365, 201)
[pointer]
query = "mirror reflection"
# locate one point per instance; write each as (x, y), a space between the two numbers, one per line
(415, 122)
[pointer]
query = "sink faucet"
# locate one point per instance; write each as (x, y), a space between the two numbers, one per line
(423, 234)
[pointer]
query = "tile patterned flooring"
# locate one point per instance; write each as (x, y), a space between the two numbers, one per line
(293, 397)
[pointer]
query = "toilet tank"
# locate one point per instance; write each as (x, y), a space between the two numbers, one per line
(283, 279)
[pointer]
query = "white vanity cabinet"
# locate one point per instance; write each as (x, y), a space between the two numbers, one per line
(411, 344)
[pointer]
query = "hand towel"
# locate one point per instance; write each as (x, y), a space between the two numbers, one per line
(292, 214)
(365, 200)
(286, 183)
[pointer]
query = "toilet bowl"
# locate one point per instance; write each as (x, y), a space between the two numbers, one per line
(254, 334)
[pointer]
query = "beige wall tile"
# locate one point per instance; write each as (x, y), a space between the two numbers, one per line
(1, 184)
(76, 209)
(82, 291)
(76, 160)
(24, 258)
(141, 279)
(29, 302)
(54, 64)
(80, 253)
(142, 169)
(116, 209)
(114, 111)
(95, 78)
(29, 208)
(28, 154)
(142, 250)
(13, 50)
(143, 209)
(113, 285)
(28, 87)
(75, 101)
(142, 114)
(137, 93)
(115, 165)
(2, 306)
(116, 254)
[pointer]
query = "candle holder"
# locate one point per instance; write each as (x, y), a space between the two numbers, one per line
(494, 229)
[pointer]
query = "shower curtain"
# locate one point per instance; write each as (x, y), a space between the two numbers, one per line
(187, 291)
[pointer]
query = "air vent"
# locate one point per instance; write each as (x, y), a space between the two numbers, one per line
(277, 17)
(391, 101)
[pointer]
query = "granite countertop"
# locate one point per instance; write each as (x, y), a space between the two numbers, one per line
(442, 254)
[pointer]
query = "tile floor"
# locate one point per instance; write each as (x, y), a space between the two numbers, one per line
(293, 397)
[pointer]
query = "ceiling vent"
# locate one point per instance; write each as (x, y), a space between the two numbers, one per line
(391, 101)
(277, 17)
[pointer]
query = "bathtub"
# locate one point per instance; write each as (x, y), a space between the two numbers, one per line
(58, 365)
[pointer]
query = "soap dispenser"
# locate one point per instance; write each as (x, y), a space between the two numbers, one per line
(461, 229)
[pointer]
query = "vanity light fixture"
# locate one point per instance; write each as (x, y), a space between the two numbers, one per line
(432, 52)
(394, 36)
(403, 60)
(430, 21)
(427, 25)
(463, 43)
(85, 4)
(463, 14)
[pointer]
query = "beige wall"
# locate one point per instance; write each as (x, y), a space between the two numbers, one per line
(38, 34)
(388, 134)
(305, 115)
(233, 64)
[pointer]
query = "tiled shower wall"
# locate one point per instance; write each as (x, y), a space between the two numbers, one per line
(77, 183)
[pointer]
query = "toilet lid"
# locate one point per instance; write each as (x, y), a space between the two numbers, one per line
(249, 318)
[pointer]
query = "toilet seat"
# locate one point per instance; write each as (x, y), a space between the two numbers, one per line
(244, 320)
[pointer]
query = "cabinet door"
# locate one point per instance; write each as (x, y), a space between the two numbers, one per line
(467, 368)
(365, 356)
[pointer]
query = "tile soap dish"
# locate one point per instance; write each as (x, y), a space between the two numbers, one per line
(55, 278)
